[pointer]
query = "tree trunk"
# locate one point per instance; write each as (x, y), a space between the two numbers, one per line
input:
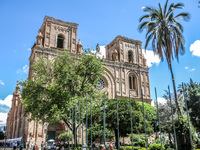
(175, 92)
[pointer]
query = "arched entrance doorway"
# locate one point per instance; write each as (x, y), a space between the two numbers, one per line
(54, 131)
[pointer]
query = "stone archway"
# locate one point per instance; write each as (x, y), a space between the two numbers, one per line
(110, 86)
(55, 130)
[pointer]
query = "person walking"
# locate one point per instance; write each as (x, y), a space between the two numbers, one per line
(111, 145)
(102, 147)
(27, 146)
(32, 146)
(21, 146)
(36, 147)
(14, 146)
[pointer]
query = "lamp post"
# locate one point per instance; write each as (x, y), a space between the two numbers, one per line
(117, 124)
(86, 123)
(158, 117)
(131, 121)
(79, 120)
(91, 118)
(82, 122)
(104, 121)
(173, 119)
(75, 142)
(144, 120)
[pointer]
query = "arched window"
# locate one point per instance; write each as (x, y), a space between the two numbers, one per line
(132, 82)
(60, 41)
(130, 56)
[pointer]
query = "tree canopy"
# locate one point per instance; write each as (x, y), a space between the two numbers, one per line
(65, 137)
(192, 97)
(57, 83)
(124, 116)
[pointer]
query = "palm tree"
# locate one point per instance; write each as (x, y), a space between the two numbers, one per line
(165, 32)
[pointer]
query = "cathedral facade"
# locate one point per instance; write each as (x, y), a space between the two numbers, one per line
(125, 72)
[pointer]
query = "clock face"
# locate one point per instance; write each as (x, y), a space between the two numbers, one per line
(100, 84)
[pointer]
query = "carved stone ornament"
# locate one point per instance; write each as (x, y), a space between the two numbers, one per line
(98, 48)
(39, 38)
(115, 55)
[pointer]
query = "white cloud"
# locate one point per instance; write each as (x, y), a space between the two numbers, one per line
(192, 69)
(195, 48)
(153, 103)
(2, 83)
(3, 117)
(160, 101)
(7, 101)
(151, 57)
(186, 67)
(103, 51)
(29, 49)
(23, 70)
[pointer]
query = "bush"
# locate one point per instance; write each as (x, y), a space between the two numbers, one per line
(138, 136)
(65, 136)
(141, 143)
(155, 146)
(130, 148)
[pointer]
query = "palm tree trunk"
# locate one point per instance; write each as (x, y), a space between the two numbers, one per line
(175, 92)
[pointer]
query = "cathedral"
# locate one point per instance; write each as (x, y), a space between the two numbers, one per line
(125, 67)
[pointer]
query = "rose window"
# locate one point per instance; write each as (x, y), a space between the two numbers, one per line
(100, 84)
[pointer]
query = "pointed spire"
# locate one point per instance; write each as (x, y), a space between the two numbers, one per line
(79, 42)
(17, 89)
(79, 47)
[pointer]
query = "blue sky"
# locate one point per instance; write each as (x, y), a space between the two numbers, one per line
(100, 21)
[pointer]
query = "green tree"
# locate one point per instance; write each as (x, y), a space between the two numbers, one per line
(58, 84)
(124, 116)
(65, 137)
(192, 96)
(181, 123)
(166, 34)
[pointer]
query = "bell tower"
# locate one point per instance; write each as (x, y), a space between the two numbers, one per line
(58, 34)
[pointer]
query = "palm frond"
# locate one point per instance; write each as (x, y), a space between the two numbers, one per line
(151, 27)
(179, 6)
(165, 8)
(144, 17)
(143, 25)
(170, 9)
(148, 39)
(161, 12)
(178, 25)
(170, 18)
(185, 16)
(154, 16)
(148, 9)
